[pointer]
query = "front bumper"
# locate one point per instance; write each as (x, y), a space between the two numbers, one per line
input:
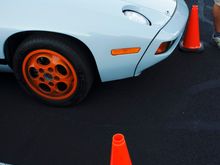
(172, 31)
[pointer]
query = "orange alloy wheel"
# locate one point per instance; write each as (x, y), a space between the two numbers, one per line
(49, 74)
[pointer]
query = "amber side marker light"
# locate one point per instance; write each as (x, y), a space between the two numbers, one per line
(163, 48)
(123, 51)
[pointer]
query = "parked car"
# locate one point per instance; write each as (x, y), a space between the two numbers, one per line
(56, 48)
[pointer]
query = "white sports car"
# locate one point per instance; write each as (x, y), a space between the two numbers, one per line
(57, 48)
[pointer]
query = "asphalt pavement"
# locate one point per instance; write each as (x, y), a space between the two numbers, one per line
(169, 115)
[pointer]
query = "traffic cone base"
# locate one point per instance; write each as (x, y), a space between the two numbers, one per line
(192, 50)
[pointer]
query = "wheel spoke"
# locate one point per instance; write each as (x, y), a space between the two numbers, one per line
(67, 80)
(33, 65)
(55, 61)
(35, 82)
(54, 90)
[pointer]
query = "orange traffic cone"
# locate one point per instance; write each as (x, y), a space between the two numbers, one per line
(119, 153)
(191, 42)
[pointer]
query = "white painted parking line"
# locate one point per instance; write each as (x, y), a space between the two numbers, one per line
(5, 68)
(4, 164)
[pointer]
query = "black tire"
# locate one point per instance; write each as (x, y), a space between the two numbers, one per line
(72, 51)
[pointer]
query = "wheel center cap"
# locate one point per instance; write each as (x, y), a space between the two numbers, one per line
(48, 76)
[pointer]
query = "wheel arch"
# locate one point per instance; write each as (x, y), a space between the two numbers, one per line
(13, 41)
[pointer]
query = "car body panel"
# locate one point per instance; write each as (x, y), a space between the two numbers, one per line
(162, 6)
(171, 32)
(100, 25)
